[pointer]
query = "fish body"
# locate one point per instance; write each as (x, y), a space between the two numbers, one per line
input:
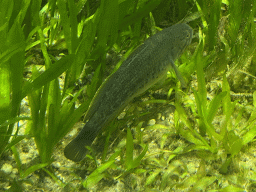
(142, 69)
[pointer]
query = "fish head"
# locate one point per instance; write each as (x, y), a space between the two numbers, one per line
(181, 37)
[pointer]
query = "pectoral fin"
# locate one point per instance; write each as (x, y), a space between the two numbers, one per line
(178, 74)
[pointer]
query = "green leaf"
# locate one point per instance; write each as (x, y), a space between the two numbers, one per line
(137, 160)
(203, 183)
(140, 13)
(74, 117)
(129, 150)
(91, 89)
(108, 24)
(152, 177)
(254, 99)
(17, 159)
(52, 73)
(32, 169)
(10, 52)
(97, 175)
(214, 106)
(224, 167)
(250, 135)
(215, 9)
(15, 141)
(5, 95)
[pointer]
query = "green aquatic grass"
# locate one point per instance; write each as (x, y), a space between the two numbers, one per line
(51, 114)
(224, 36)
(12, 60)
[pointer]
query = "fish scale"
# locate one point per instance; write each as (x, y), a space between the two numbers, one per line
(142, 69)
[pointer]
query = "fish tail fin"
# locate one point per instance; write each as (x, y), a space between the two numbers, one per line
(75, 150)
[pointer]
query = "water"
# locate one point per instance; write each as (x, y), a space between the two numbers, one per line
(143, 68)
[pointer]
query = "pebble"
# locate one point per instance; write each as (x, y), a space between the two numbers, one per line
(151, 122)
(7, 168)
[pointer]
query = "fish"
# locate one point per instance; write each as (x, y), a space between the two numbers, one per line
(145, 66)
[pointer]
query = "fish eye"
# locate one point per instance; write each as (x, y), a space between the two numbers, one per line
(188, 35)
